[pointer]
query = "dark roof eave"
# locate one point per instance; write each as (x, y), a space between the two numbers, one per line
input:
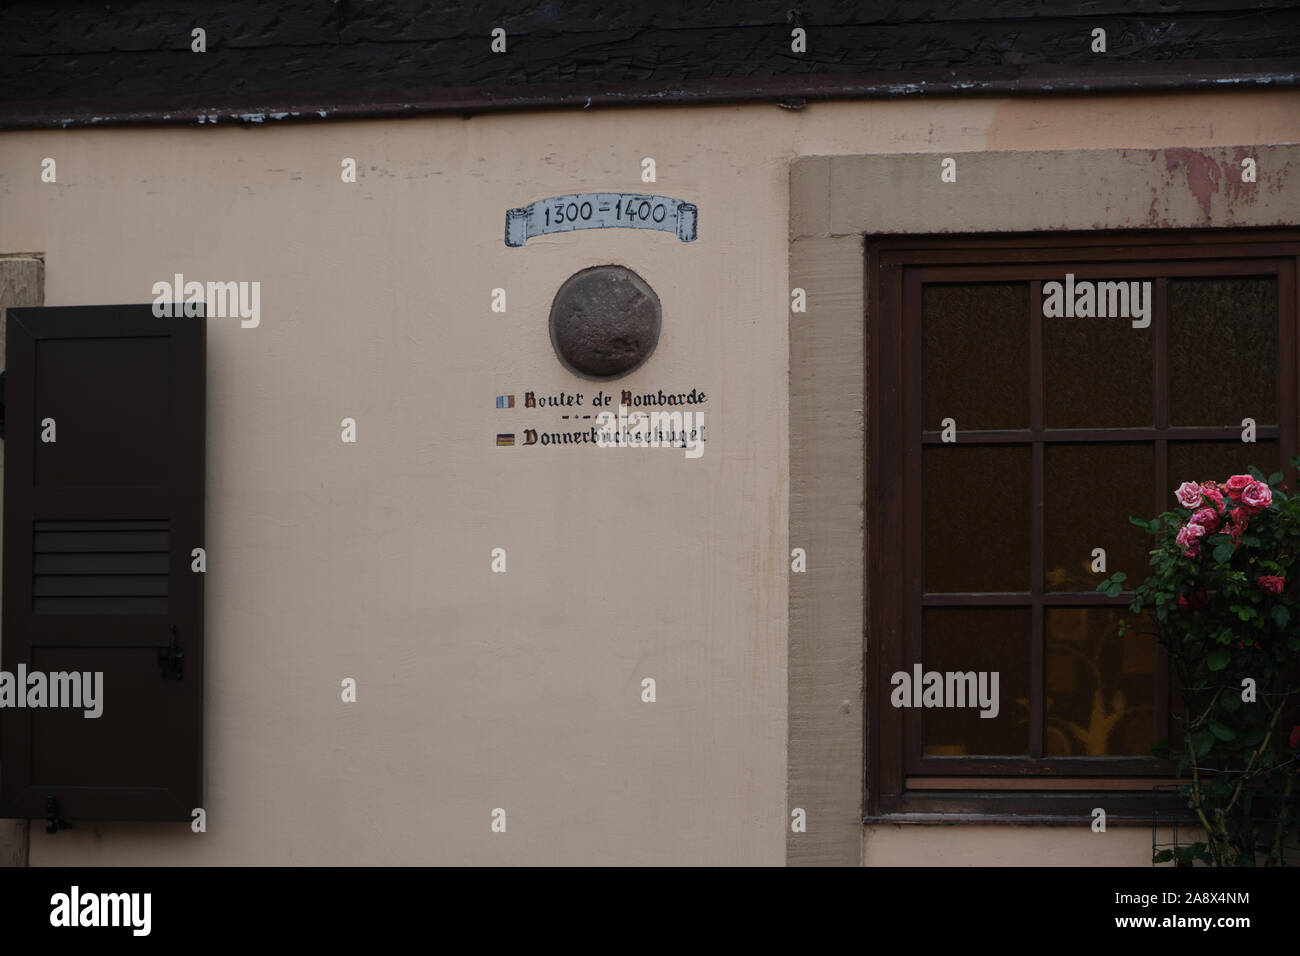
(793, 91)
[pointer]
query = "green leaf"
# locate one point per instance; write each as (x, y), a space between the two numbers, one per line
(1275, 478)
(1119, 576)
(1281, 615)
(1202, 741)
(1222, 731)
(1218, 658)
(1255, 473)
(1222, 553)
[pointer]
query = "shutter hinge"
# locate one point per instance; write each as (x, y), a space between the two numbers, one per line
(53, 822)
(171, 659)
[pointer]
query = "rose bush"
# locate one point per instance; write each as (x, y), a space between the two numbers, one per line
(1225, 597)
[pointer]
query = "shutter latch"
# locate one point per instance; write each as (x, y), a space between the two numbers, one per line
(53, 822)
(171, 659)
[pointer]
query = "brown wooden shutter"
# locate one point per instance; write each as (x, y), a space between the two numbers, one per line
(99, 526)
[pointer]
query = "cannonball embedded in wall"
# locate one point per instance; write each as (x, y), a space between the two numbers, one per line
(604, 322)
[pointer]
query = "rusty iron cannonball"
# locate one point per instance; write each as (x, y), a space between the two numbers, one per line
(604, 322)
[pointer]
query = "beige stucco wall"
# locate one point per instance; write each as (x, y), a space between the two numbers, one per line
(329, 560)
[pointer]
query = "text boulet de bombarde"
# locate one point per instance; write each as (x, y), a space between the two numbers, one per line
(626, 397)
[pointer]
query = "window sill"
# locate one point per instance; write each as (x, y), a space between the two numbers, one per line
(1031, 807)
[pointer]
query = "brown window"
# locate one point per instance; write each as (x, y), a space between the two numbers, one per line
(1014, 426)
(103, 506)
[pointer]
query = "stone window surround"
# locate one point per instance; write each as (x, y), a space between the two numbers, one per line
(836, 201)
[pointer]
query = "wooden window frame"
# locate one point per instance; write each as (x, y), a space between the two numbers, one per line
(900, 784)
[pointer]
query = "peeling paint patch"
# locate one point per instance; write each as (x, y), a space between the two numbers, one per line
(1203, 173)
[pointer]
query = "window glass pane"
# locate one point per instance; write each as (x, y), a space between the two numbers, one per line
(1090, 492)
(972, 644)
(1100, 685)
(975, 355)
(1097, 373)
(1218, 460)
(1222, 351)
(976, 511)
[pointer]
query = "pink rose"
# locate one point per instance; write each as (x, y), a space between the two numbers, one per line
(1271, 583)
(1189, 537)
(1188, 494)
(1240, 518)
(1211, 491)
(1208, 519)
(1257, 496)
(1237, 484)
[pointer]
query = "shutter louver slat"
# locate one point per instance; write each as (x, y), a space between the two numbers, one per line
(100, 567)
